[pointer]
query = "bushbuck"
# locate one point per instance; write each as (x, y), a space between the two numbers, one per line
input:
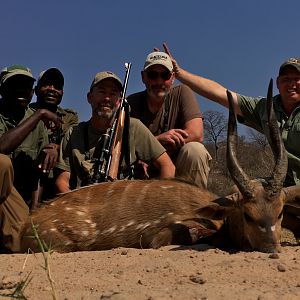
(150, 214)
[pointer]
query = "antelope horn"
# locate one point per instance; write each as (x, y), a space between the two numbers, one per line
(277, 146)
(239, 177)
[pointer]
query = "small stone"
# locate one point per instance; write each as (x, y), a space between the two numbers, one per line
(197, 279)
(274, 255)
(281, 268)
(124, 252)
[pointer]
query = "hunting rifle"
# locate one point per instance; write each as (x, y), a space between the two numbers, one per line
(108, 150)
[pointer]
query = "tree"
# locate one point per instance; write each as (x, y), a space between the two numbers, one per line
(215, 128)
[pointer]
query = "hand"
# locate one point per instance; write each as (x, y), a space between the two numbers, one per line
(47, 158)
(173, 139)
(141, 170)
(47, 116)
(176, 68)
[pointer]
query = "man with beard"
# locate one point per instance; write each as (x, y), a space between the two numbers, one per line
(49, 93)
(23, 146)
(78, 146)
(173, 116)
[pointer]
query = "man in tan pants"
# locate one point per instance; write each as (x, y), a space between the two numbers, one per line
(13, 209)
(173, 116)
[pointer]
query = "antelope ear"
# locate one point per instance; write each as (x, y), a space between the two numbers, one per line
(214, 212)
(292, 194)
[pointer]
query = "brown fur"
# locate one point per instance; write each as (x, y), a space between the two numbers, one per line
(139, 214)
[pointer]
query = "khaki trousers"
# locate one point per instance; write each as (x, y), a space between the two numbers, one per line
(13, 209)
(193, 163)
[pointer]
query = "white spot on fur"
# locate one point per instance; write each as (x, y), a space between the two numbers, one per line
(156, 222)
(80, 213)
(263, 229)
(53, 229)
(177, 222)
(273, 228)
(170, 214)
(93, 225)
(165, 187)
(88, 221)
(143, 226)
(109, 230)
(55, 221)
(130, 223)
(68, 208)
(85, 233)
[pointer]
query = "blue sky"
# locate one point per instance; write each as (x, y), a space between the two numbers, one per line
(240, 44)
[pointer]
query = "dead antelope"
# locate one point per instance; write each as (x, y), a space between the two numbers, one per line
(145, 214)
(254, 220)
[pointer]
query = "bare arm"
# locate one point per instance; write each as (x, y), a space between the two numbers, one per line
(165, 166)
(203, 86)
(62, 182)
(194, 129)
(11, 139)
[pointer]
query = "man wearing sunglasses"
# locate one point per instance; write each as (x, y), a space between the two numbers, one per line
(172, 114)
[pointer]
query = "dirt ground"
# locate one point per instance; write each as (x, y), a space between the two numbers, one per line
(173, 272)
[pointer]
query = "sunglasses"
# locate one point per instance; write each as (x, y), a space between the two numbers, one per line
(166, 75)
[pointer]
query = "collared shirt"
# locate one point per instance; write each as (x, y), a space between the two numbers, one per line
(255, 116)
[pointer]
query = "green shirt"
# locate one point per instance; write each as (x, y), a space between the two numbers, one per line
(75, 158)
(255, 116)
(24, 155)
(68, 116)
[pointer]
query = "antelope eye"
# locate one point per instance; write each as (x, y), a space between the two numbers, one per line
(248, 218)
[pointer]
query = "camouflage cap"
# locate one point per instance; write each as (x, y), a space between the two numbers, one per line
(105, 75)
(292, 62)
(14, 70)
(158, 58)
(52, 72)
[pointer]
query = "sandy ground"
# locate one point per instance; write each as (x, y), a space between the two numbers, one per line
(172, 272)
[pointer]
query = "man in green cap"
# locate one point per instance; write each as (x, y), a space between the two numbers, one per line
(22, 136)
(49, 93)
(76, 159)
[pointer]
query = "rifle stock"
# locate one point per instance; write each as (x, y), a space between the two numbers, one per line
(117, 146)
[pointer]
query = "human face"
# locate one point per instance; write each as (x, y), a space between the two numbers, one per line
(49, 91)
(288, 85)
(18, 90)
(105, 98)
(158, 81)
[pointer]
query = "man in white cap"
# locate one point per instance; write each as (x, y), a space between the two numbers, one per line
(76, 160)
(173, 115)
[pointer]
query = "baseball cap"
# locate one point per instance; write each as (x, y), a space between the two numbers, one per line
(52, 72)
(293, 62)
(105, 75)
(158, 58)
(14, 70)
